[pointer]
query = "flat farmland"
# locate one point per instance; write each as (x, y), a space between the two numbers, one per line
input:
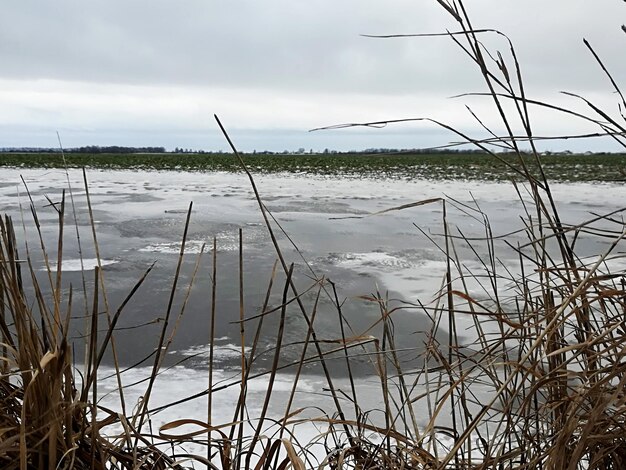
(437, 166)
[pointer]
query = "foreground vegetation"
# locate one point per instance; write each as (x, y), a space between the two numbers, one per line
(472, 166)
(547, 351)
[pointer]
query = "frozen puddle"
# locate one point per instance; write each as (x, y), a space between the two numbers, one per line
(374, 259)
(405, 273)
(191, 247)
(225, 243)
(86, 264)
(221, 352)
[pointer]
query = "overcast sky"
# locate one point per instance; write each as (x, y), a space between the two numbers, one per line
(153, 72)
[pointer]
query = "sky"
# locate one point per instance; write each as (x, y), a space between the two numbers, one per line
(154, 72)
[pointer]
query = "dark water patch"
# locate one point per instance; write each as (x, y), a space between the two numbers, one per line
(170, 228)
(178, 211)
(137, 198)
(325, 207)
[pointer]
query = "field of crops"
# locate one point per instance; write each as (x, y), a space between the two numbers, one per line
(472, 166)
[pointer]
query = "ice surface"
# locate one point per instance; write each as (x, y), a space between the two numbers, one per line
(141, 218)
(86, 264)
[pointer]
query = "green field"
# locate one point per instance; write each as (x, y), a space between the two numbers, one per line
(473, 166)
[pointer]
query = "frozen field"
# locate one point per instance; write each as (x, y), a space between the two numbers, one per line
(139, 219)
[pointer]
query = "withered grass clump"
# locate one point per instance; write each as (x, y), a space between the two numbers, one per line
(537, 381)
(47, 418)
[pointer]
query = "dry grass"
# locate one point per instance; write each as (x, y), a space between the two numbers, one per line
(540, 384)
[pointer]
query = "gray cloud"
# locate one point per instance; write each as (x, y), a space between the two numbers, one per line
(251, 51)
(291, 44)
